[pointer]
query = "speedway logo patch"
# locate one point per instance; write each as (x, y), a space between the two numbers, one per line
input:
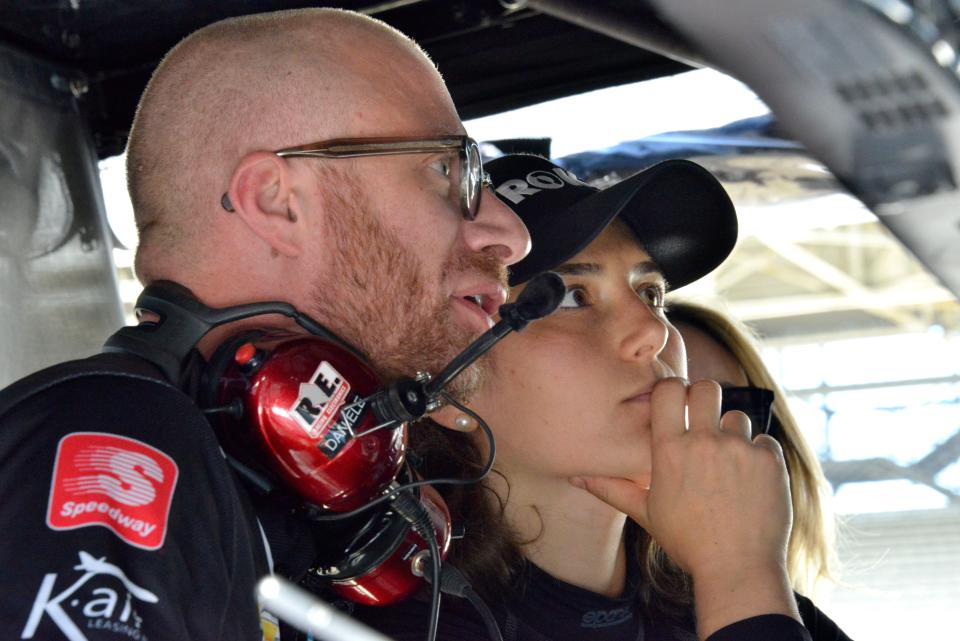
(115, 482)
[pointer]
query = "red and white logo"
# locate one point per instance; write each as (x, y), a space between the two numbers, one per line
(115, 482)
(319, 399)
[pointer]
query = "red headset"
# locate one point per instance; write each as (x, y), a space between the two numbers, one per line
(305, 415)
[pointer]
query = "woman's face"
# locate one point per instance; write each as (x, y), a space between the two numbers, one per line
(570, 394)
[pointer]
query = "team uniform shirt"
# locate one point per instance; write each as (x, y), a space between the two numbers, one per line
(120, 517)
(547, 609)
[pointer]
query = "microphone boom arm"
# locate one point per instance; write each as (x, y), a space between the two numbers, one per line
(410, 399)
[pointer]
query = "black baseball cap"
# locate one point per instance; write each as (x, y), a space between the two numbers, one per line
(679, 211)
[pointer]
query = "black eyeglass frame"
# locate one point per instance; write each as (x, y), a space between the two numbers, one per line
(472, 177)
(755, 402)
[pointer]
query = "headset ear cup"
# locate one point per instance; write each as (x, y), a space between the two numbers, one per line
(227, 417)
(208, 395)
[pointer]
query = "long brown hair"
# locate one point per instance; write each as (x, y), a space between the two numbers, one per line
(810, 552)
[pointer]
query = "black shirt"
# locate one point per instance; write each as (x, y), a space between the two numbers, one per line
(120, 517)
(547, 609)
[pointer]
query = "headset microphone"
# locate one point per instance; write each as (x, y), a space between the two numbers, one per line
(540, 298)
(409, 400)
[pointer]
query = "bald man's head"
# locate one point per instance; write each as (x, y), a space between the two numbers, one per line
(251, 83)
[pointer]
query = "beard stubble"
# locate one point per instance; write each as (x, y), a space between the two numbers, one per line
(380, 299)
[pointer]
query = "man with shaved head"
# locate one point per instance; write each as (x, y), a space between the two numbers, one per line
(372, 246)
(312, 157)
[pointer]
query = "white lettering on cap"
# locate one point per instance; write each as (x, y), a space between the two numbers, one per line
(569, 177)
(515, 190)
(544, 180)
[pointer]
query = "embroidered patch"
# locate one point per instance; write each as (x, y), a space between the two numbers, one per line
(101, 598)
(115, 482)
(606, 618)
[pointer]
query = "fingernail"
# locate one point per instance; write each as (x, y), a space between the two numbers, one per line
(576, 481)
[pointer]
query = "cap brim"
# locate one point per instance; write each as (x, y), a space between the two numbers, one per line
(679, 212)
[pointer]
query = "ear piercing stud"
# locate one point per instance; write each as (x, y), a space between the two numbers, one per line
(463, 422)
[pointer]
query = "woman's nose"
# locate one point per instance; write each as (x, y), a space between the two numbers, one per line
(643, 332)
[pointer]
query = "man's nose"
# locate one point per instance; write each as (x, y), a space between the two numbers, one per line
(497, 230)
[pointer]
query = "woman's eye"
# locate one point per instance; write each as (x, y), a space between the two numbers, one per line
(442, 166)
(575, 297)
(652, 295)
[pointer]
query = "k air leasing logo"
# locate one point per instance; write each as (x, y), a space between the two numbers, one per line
(115, 482)
(101, 597)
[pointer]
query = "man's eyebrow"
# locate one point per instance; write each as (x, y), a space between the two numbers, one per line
(578, 269)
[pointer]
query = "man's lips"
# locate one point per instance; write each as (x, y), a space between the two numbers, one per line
(480, 301)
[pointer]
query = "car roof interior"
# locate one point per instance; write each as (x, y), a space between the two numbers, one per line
(493, 57)
(850, 105)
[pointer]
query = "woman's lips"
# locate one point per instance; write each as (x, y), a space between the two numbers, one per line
(639, 398)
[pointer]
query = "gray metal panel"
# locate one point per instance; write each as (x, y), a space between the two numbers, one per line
(873, 94)
(58, 290)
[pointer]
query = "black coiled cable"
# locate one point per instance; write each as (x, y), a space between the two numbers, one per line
(410, 509)
(319, 515)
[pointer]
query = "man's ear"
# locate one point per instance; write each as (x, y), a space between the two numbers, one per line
(261, 195)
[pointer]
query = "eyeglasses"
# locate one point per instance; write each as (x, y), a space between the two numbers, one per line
(466, 176)
(755, 402)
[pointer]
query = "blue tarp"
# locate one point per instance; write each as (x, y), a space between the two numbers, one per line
(742, 137)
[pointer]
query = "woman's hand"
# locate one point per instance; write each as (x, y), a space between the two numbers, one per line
(717, 503)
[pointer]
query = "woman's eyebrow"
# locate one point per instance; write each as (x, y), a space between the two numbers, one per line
(646, 267)
(578, 269)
